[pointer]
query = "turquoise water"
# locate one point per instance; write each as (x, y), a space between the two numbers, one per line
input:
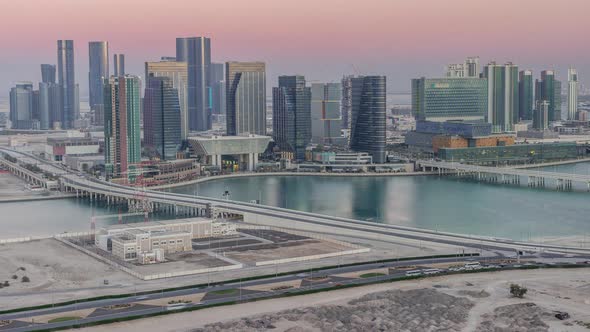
(443, 204)
(431, 202)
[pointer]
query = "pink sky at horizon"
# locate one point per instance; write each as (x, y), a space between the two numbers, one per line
(320, 39)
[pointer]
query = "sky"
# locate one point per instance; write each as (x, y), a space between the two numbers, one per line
(321, 39)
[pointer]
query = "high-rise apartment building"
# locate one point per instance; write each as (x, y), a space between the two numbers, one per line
(368, 121)
(291, 103)
(245, 98)
(98, 60)
(47, 73)
(548, 88)
(445, 99)
(177, 72)
(122, 125)
(349, 86)
(326, 120)
(502, 95)
(525, 95)
(67, 81)
(161, 118)
(572, 94)
(470, 68)
(50, 105)
(217, 93)
(22, 107)
(541, 115)
(196, 52)
(119, 65)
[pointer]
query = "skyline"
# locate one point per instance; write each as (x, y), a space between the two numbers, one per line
(396, 41)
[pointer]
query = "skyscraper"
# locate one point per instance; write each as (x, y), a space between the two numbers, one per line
(368, 120)
(291, 103)
(177, 72)
(572, 94)
(502, 95)
(67, 81)
(549, 89)
(349, 86)
(98, 56)
(49, 105)
(525, 94)
(122, 131)
(326, 121)
(217, 102)
(245, 98)
(119, 65)
(196, 52)
(161, 118)
(470, 68)
(541, 115)
(47, 73)
(445, 99)
(21, 107)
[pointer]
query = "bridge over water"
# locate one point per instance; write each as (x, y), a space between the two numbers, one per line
(507, 175)
(181, 204)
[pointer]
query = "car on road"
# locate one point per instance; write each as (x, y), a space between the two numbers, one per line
(143, 297)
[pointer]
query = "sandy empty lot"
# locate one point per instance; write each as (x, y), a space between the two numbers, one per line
(50, 266)
(474, 302)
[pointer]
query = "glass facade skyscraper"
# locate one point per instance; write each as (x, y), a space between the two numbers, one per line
(122, 125)
(47, 73)
(161, 117)
(217, 89)
(49, 105)
(196, 52)
(98, 60)
(572, 94)
(503, 105)
(177, 72)
(541, 115)
(368, 120)
(22, 106)
(119, 65)
(67, 81)
(245, 98)
(444, 99)
(291, 103)
(549, 89)
(525, 95)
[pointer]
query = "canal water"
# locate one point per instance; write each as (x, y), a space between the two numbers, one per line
(444, 204)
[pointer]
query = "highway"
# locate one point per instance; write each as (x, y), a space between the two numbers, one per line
(493, 247)
(240, 293)
(71, 178)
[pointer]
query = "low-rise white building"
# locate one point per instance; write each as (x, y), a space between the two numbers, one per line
(150, 242)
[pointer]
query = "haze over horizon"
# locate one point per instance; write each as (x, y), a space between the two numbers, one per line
(400, 39)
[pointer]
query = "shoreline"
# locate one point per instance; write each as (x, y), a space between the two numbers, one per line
(34, 198)
(239, 175)
(555, 163)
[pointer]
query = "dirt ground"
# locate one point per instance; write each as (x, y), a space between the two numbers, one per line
(51, 265)
(290, 250)
(474, 302)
